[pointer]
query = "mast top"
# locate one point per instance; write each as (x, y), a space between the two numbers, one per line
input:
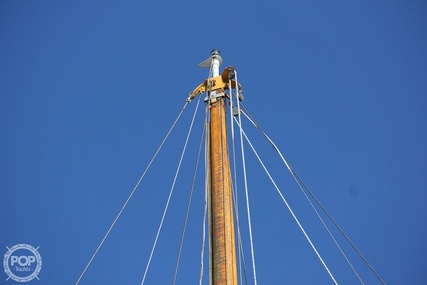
(215, 52)
(213, 62)
(216, 81)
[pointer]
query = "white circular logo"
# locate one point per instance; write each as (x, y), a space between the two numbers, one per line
(22, 263)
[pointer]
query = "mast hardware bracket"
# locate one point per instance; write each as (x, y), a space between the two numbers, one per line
(218, 83)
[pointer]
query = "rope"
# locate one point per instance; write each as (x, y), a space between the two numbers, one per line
(311, 204)
(170, 195)
(131, 194)
(234, 181)
(188, 205)
(290, 210)
(297, 178)
(326, 227)
(242, 265)
(246, 188)
(202, 253)
(340, 229)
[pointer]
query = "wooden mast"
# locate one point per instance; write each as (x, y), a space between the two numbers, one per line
(222, 239)
(223, 256)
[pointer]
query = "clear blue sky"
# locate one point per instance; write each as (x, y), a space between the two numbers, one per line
(88, 89)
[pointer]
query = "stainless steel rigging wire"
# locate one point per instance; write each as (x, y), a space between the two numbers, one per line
(170, 194)
(245, 180)
(290, 209)
(313, 207)
(299, 180)
(241, 257)
(189, 202)
(131, 194)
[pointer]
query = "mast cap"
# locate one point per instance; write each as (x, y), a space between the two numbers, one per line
(207, 63)
(215, 52)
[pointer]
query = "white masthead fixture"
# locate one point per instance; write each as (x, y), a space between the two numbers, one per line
(213, 62)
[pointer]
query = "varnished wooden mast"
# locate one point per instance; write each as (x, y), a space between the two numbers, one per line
(223, 252)
(223, 249)
(223, 269)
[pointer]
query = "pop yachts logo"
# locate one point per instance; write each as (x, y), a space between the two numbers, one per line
(22, 263)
